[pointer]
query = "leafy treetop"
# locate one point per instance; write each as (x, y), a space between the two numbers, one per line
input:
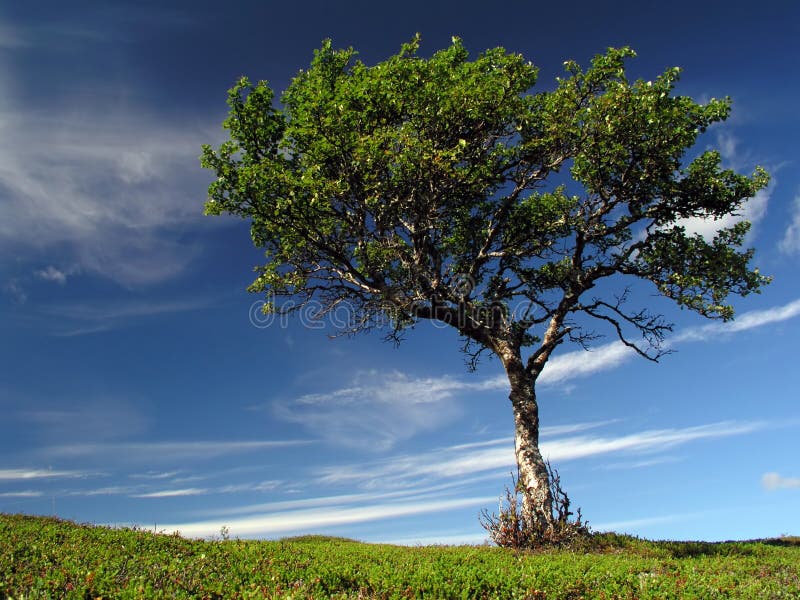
(435, 188)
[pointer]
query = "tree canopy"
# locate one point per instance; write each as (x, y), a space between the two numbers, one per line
(421, 189)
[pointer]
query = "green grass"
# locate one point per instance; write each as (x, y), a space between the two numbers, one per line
(49, 558)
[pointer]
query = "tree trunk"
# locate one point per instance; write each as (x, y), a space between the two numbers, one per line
(534, 480)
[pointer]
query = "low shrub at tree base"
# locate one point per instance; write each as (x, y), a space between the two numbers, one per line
(510, 528)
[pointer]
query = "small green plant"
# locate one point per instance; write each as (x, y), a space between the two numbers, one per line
(510, 529)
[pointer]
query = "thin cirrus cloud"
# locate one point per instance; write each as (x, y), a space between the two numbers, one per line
(22, 494)
(28, 474)
(581, 363)
(50, 273)
(427, 482)
(438, 490)
(744, 322)
(164, 452)
(259, 486)
(379, 410)
(148, 490)
(155, 475)
(102, 188)
(775, 481)
(100, 419)
(172, 493)
(315, 518)
(790, 243)
(406, 471)
(80, 319)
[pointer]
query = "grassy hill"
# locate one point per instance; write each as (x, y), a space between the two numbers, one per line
(44, 557)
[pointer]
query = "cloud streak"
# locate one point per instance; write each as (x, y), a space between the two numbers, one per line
(21, 494)
(80, 319)
(378, 409)
(582, 363)
(151, 452)
(774, 481)
(50, 273)
(28, 474)
(790, 243)
(172, 493)
(315, 518)
(744, 322)
(407, 471)
(428, 482)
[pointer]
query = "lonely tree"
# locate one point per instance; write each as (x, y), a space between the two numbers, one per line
(445, 189)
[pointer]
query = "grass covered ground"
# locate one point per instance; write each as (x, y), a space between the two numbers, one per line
(49, 558)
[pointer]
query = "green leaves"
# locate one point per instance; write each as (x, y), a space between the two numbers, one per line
(386, 184)
(697, 274)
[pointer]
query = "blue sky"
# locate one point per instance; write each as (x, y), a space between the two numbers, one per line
(138, 384)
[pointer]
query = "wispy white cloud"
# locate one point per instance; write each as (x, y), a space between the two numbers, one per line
(79, 319)
(21, 494)
(580, 363)
(432, 481)
(378, 409)
(154, 452)
(644, 441)
(555, 430)
(15, 291)
(107, 490)
(303, 503)
(173, 493)
(256, 486)
(437, 490)
(743, 322)
(642, 464)
(316, 518)
(576, 364)
(155, 475)
(775, 481)
(790, 243)
(65, 419)
(50, 273)
(25, 474)
(168, 485)
(497, 456)
(102, 187)
(759, 318)
(728, 144)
